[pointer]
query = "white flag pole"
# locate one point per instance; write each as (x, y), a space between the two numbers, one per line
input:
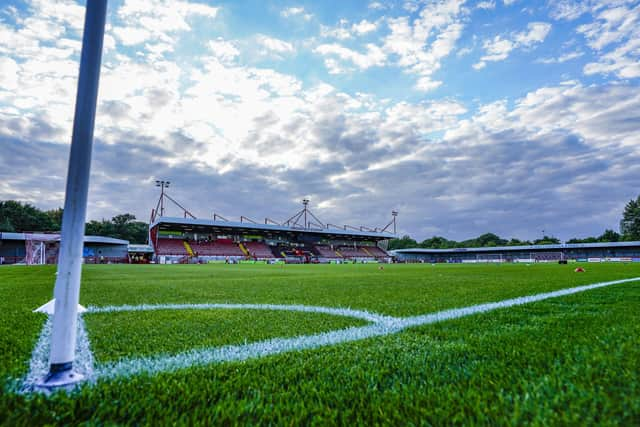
(67, 287)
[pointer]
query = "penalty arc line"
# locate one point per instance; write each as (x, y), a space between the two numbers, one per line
(384, 326)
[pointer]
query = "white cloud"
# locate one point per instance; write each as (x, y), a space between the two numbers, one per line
(425, 84)
(624, 61)
(562, 58)
(376, 5)
(8, 74)
(616, 27)
(364, 27)
(224, 50)
(344, 30)
(275, 46)
(130, 36)
(420, 45)
(374, 56)
(610, 26)
(499, 48)
(341, 32)
(537, 32)
(147, 20)
(417, 45)
(296, 11)
(569, 9)
(464, 51)
(487, 5)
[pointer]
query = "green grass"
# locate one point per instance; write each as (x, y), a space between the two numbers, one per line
(573, 360)
(170, 332)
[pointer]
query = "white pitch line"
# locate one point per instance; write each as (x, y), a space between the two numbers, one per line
(39, 364)
(156, 364)
(482, 308)
(345, 312)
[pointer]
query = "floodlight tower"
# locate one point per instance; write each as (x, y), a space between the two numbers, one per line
(162, 185)
(67, 287)
(305, 203)
(394, 214)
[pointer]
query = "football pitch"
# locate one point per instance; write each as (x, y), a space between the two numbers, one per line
(333, 344)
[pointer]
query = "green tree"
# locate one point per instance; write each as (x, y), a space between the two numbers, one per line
(518, 242)
(490, 239)
(437, 242)
(121, 226)
(547, 240)
(403, 243)
(609, 236)
(20, 217)
(6, 225)
(630, 224)
(55, 215)
(585, 240)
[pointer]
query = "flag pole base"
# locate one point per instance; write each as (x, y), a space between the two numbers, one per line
(60, 377)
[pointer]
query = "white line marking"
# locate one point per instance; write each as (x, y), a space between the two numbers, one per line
(382, 325)
(346, 312)
(39, 364)
(155, 364)
(482, 308)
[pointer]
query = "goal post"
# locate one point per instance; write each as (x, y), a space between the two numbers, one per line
(489, 258)
(548, 256)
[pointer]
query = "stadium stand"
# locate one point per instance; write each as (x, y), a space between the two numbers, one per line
(325, 251)
(258, 249)
(294, 240)
(548, 256)
(375, 251)
(220, 247)
(171, 247)
(353, 252)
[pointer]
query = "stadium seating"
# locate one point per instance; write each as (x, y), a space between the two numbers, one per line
(171, 247)
(258, 249)
(547, 256)
(353, 252)
(216, 248)
(375, 251)
(325, 251)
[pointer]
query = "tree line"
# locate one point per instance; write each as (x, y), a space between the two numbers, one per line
(629, 231)
(21, 217)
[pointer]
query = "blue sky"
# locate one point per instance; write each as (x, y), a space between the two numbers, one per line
(505, 116)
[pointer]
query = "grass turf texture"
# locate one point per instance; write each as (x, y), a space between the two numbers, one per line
(571, 360)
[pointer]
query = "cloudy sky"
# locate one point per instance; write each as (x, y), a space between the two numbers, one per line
(509, 116)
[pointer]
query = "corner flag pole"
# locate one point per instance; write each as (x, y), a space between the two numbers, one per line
(67, 287)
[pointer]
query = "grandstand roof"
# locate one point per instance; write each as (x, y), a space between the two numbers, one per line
(208, 226)
(43, 236)
(562, 246)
